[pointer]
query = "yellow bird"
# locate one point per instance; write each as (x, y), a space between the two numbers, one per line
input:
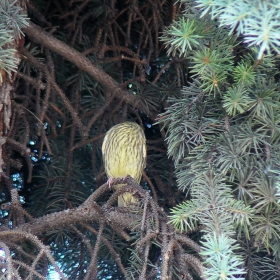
(124, 153)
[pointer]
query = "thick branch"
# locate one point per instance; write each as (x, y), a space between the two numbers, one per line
(38, 35)
(83, 213)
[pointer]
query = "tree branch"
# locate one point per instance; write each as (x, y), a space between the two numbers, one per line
(83, 213)
(38, 35)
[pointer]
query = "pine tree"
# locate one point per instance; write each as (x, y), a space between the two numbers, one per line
(82, 67)
(206, 72)
(223, 134)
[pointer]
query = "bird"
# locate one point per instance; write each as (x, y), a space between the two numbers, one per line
(124, 153)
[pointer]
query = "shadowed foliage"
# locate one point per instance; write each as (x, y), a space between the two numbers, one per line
(201, 78)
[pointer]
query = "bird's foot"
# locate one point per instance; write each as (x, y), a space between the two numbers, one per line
(110, 182)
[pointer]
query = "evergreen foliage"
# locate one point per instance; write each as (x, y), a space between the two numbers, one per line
(223, 135)
(84, 66)
(12, 20)
(257, 20)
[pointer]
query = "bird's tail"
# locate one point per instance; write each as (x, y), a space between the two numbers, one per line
(126, 199)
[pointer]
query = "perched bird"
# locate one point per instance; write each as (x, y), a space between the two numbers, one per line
(124, 153)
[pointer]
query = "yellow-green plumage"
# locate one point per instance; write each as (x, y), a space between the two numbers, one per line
(124, 153)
